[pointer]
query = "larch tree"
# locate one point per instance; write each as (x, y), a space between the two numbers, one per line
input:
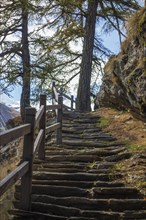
(36, 39)
(22, 49)
(83, 98)
(14, 53)
(26, 71)
(113, 12)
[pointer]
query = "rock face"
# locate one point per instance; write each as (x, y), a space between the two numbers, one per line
(6, 114)
(124, 80)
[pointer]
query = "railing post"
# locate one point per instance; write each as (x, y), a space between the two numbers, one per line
(72, 102)
(42, 125)
(75, 103)
(26, 180)
(59, 119)
(53, 95)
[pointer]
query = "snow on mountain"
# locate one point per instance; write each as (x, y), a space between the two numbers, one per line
(6, 113)
(11, 102)
(9, 109)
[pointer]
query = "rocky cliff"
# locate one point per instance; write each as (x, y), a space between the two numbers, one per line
(124, 80)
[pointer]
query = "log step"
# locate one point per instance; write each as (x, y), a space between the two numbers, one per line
(94, 192)
(68, 170)
(91, 204)
(63, 211)
(75, 176)
(73, 158)
(81, 184)
(76, 180)
(95, 151)
(72, 165)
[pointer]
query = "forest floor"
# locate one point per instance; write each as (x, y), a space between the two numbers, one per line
(132, 131)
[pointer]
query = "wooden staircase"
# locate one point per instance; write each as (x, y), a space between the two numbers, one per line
(77, 180)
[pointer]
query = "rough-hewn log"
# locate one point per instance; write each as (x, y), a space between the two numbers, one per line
(42, 125)
(14, 133)
(39, 115)
(38, 141)
(26, 185)
(53, 107)
(13, 177)
(52, 127)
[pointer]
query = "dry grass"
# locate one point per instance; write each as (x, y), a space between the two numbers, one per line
(110, 65)
(125, 127)
(135, 29)
(133, 25)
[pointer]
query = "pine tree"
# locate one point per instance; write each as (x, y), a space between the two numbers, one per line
(83, 100)
(36, 38)
(110, 11)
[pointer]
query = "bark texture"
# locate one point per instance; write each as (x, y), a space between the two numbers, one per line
(83, 96)
(25, 97)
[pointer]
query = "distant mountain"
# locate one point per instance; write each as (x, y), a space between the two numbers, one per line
(6, 114)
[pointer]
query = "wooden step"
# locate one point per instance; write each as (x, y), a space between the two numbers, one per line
(91, 204)
(68, 170)
(95, 151)
(74, 165)
(95, 137)
(118, 157)
(91, 143)
(76, 181)
(23, 215)
(73, 158)
(60, 191)
(63, 211)
(77, 115)
(75, 176)
(115, 192)
(94, 192)
(69, 124)
(79, 130)
(81, 184)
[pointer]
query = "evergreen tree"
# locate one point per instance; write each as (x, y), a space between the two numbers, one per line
(113, 12)
(37, 37)
(83, 99)
(22, 56)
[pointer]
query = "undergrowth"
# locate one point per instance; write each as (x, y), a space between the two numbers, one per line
(136, 147)
(104, 122)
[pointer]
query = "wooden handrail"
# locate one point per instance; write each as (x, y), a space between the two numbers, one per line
(38, 141)
(14, 133)
(68, 97)
(65, 106)
(55, 93)
(33, 122)
(42, 125)
(12, 177)
(39, 115)
(52, 127)
(53, 107)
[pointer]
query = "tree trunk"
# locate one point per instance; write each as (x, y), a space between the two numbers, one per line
(83, 96)
(25, 96)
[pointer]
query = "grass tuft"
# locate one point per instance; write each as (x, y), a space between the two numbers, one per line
(104, 122)
(136, 147)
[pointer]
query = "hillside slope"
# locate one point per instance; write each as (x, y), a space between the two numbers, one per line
(6, 114)
(132, 131)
